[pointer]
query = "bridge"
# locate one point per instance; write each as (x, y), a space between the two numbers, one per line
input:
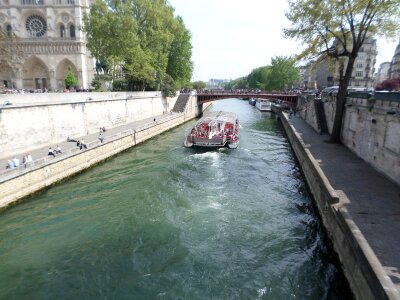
(288, 99)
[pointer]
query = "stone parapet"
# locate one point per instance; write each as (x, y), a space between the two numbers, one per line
(19, 183)
(363, 270)
(371, 126)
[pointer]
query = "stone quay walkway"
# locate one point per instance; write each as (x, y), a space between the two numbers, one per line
(41, 158)
(374, 200)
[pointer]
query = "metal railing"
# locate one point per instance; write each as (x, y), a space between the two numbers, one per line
(64, 2)
(43, 2)
(8, 174)
(32, 2)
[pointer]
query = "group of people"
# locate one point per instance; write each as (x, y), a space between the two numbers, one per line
(15, 162)
(54, 152)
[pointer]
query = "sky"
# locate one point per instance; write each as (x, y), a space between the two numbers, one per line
(230, 38)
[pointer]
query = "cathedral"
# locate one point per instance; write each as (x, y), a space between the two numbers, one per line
(50, 37)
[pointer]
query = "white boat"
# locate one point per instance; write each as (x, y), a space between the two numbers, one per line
(264, 105)
(216, 129)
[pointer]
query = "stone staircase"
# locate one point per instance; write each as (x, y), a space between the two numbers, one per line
(181, 102)
(321, 118)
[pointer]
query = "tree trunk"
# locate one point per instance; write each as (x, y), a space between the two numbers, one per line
(341, 101)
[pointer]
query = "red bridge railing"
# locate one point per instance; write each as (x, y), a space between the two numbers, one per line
(288, 99)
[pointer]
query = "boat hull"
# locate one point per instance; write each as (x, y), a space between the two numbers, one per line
(216, 130)
(264, 105)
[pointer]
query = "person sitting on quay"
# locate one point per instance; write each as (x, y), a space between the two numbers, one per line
(15, 162)
(102, 129)
(82, 144)
(51, 152)
(58, 150)
(10, 164)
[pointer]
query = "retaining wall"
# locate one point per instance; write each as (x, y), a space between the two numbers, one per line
(53, 118)
(371, 128)
(361, 267)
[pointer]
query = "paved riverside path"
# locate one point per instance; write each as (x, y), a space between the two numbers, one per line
(374, 200)
(41, 153)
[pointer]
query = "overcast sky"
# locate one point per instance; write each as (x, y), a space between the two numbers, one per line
(230, 37)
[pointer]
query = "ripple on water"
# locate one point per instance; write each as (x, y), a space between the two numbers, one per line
(163, 221)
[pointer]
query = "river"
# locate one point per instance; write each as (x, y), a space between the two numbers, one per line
(160, 221)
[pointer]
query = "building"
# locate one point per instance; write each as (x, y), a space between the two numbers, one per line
(50, 37)
(383, 72)
(216, 83)
(394, 71)
(327, 72)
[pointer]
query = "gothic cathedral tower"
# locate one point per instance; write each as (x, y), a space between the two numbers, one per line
(50, 37)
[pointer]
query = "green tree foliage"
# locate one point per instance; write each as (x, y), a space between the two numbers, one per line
(141, 38)
(239, 83)
(96, 83)
(282, 73)
(199, 85)
(338, 29)
(258, 78)
(168, 87)
(70, 79)
(180, 66)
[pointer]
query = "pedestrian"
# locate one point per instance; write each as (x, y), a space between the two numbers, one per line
(51, 152)
(101, 139)
(25, 160)
(58, 149)
(82, 145)
(290, 113)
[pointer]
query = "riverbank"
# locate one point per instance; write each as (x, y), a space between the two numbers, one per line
(359, 208)
(18, 183)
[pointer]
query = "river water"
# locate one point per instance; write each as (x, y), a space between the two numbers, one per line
(160, 221)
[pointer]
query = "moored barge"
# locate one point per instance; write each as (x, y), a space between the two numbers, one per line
(216, 129)
(264, 105)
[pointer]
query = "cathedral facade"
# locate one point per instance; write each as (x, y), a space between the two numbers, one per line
(50, 37)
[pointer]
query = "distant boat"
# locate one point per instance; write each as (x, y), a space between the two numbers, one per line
(216, 129)
(264, 105)
(252, 101)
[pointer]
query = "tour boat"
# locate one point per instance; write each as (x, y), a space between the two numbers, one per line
(264, 105)
(252, 101)
(216, 129)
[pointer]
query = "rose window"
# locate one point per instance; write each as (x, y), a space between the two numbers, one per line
(36, 26)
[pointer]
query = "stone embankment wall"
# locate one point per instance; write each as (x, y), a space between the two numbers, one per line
(371, 128)
(308, 113)
(362, 269)
(13, 189)
(19, 183)
(33, 121)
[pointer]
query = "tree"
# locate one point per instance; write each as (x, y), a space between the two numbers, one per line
(258, 78)
(199, 85)
(389, 85)
(70, 79)
(168, 87)
(180, 66)
(11, 55)
(338, 29)
(282, 73)
(141, 38)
